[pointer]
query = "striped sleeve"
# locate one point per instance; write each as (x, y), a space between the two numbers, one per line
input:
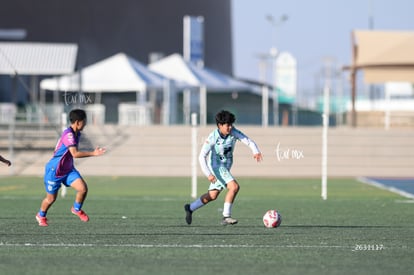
(246, 140)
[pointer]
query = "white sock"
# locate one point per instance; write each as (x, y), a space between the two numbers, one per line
(196, 204)
(227, 209)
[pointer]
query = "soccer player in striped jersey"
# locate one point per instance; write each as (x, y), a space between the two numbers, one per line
(216, 159)
(61, 170)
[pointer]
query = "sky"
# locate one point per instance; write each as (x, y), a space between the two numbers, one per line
(315, 31)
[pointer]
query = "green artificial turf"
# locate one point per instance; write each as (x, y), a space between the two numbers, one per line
(137, 226)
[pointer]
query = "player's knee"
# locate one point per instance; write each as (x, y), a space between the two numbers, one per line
(237, 187)
(234, 187)
(50, 199)
(208, 197)
(213, 196)
(83, 189)
(80, 187)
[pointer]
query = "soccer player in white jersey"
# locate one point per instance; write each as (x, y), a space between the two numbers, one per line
(216, 159)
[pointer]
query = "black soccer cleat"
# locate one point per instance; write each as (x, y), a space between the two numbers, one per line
(188, 214)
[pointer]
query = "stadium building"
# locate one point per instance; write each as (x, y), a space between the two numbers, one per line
(139, 29)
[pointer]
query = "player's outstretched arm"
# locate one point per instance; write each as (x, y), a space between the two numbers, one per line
(83, 154)
(258, 157)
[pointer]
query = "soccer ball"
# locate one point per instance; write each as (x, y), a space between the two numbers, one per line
(272, 219)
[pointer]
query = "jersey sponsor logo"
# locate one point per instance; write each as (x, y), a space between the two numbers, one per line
(227, 150)
(70, 137)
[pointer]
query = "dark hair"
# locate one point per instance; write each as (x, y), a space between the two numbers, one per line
(224, 117)
(77, 114)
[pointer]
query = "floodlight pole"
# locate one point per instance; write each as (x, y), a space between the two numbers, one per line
(273, 54)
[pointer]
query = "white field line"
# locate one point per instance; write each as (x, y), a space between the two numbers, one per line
(386, 187)
(172, 245)
(406, 201)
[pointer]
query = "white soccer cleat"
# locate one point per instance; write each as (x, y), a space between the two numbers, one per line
(228, 220)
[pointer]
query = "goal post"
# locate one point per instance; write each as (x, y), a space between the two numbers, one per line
(324, 164)
(63, 118)
(194, 145)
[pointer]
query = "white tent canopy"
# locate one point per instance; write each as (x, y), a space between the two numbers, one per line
(118, 73)
(176, 68)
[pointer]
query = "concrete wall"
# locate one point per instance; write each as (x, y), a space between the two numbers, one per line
(288, 152)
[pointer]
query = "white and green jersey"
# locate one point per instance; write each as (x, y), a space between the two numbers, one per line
(217, 151)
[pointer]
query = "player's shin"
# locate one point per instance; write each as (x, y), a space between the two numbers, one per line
(196, 204)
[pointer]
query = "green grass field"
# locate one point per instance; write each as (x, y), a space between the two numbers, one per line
(137, 226)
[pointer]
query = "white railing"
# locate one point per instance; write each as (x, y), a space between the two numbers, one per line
(134, 114)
